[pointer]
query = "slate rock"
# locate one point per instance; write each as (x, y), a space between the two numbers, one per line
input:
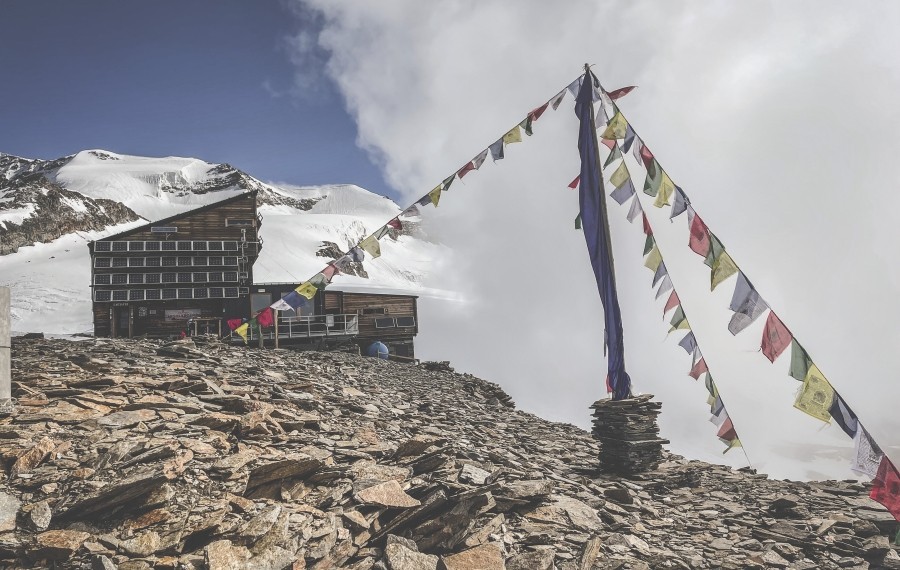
(485, 557)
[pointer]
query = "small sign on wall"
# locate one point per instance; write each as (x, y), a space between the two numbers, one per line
(182, 314)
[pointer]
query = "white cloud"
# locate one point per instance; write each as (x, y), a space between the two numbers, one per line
(780, 120)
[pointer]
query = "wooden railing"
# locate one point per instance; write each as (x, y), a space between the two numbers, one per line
(316, 326)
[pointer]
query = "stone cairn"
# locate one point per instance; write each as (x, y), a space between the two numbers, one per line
(628, 434)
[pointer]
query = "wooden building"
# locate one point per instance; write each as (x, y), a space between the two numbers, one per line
(337, 317)
(194, 267)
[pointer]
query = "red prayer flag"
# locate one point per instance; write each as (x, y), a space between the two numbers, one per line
(574, 184)
(776, 337)
(608, 143)
(465, 169)
(699, 240)
(698, 369)
(886, 487)
(621, 92)
(647, 229)
(395, 223)
(536, 114)
(727, 431)
(265, 318)
(646, 156)
(330, 271)
(673, 302)
(234, 323)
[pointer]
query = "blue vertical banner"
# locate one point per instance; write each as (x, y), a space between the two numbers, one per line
(595, 224)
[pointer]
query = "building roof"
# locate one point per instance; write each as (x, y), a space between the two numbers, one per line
(178, 216)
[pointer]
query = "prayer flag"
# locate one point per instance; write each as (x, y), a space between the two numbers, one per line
(382, 231)
(717, 408)
(242, 331)
(666, 187)
(746, 304)
(592, 202)
(370, 245)
(356, 254)
(578, 222)
(698, 369)
(623, 192)
(711, 386)
(413, 210)
(815, 395)
(514, 135)
(620, 92)
(620, 175)
(536, 113)
(435, 195)
(886, 487)
(574, 183)
(647, 229)
(616, 127)
(736, 442)
(319, 281)
(689, 343)
(866, 454)
(608, 143)
(470, 166)
(800, 361)
(723, 268)
(447, 182)
(726, 431)
(395, 224)
(660, 273)
(265, 318)
(646, 155)
(699, 237)
(681, 203)
(844, 416)
(653, 180)
(629, 138)
(424, 200)
(654, 258)
(307, 289)
(234, 323)
(649, 243)
(575, 86)
(479, 160)
(330, 271)
(636, 150)
(634, 210)
(526, 125)
(673, 302)
(557, 99)
(497, 150)
(776, 338)
(678, 318)
(715, 250)
(614, 155)
(664, 287)
(295, 300)
(282, 305)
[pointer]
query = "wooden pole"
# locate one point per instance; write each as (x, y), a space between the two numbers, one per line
(276, 327)
(5, 351)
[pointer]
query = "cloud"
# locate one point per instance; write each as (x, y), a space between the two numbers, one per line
(780, 120)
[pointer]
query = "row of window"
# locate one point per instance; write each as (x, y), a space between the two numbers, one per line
(152, 278)
(175, 245)
(391, 322)
(181, 261)
(101, 296)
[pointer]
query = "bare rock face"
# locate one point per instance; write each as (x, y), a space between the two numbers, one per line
(137, 454)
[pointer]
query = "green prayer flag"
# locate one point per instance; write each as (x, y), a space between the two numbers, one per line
(715, 250)
(578, 221)
(654, 178)
(678, 318)
(800, 362)
(648, 244)
(526, 124)
(447, 182)
(614, 155)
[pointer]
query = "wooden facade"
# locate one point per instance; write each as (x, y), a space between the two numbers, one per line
(193, 267)
(366, 317)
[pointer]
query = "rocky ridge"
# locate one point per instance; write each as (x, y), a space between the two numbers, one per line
(195, 454)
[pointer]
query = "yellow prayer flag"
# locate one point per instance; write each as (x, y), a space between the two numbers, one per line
(370, 245)
(513, 136)
(682, 325)
(242, 331)
(736, 442)
(723, 268)
(654, 258)
(616, 127)
(666, 188)
(435, 195)
(308, 290)
(816, 395)
(620, 176)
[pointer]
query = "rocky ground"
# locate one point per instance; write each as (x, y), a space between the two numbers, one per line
(142, 454)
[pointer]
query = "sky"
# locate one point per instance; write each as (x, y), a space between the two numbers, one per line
(220, 80)
(779, 120)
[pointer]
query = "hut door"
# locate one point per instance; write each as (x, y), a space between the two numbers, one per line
(121, 322)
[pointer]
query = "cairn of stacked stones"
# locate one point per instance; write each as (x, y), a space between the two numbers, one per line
(193, 455)
(628, 434)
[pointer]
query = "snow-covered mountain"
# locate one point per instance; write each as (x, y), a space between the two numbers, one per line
(50, 209)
